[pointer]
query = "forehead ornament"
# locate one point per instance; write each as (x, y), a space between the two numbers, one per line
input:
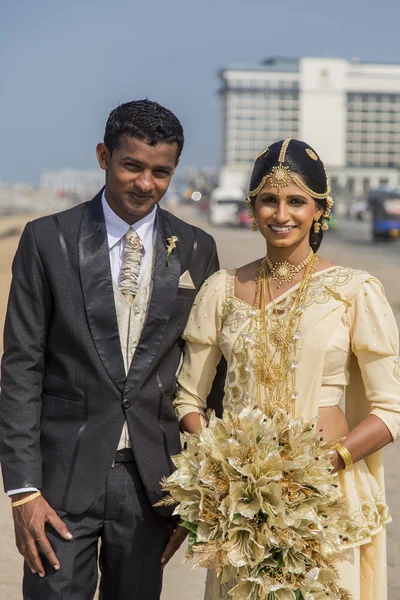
(280, 175)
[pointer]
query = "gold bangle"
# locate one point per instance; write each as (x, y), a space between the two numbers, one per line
(344, 453)
(25, 500)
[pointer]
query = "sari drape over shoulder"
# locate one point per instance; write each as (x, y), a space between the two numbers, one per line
(347, 353)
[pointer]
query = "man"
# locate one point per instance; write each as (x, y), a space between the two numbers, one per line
(99, 299)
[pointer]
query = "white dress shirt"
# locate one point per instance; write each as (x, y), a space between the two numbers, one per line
(116, 230)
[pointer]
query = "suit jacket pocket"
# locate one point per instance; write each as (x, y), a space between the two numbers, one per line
(186, 294)
(63, 395)
(56, 407)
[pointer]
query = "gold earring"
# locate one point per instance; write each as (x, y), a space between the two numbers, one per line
(317, 227)
(254, 226)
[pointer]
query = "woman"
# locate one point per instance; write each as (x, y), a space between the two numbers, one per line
(311, 335)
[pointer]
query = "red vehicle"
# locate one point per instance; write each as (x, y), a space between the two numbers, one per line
(243, 217)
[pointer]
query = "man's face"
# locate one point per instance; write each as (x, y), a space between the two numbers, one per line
(137, 175)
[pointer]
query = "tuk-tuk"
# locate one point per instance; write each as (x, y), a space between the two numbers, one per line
(384, 204)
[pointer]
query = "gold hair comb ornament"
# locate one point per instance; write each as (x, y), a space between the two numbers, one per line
(262, 153)
(311, 154)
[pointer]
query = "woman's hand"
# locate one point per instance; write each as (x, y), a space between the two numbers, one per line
(336, 460)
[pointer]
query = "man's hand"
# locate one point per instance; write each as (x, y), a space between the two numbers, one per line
(30, 536)
(173, 545)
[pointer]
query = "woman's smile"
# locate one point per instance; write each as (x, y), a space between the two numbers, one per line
(282, 229)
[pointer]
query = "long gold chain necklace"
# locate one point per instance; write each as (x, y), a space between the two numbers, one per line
(283, 272)
(292, 331)
(273, 376)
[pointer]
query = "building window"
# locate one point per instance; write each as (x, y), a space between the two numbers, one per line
(373, 123)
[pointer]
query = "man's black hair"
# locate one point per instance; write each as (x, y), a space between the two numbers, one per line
(146, 121)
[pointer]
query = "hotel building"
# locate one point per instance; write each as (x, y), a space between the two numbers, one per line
(349, 111)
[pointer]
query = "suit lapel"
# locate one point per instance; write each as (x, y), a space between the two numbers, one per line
(97, 288)
(165, 288)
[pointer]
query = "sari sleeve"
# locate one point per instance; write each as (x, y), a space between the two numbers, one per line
(375, 343)
(202, 352)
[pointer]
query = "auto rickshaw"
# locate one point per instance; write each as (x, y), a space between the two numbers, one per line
(384, 204)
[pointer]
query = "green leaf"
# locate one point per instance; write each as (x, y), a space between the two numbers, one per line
(277, 555)
(236, 516)
(281, 562)
(258, 439)
(192, 540)
(299, 595)
(188, 525)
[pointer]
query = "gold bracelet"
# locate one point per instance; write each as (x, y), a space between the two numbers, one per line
(25, 500)
(344, 453)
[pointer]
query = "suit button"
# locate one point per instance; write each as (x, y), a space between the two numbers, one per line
(126, 403)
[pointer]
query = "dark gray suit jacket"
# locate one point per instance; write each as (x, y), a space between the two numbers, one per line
(65, 394)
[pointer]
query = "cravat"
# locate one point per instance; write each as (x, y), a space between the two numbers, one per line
(130, 269)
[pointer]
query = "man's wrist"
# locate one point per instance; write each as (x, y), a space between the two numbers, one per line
(18, 493)
(25, 499)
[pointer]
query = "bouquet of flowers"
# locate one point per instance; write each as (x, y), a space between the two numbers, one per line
(262, 506)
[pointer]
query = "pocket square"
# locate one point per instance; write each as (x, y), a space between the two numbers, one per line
(185, 281)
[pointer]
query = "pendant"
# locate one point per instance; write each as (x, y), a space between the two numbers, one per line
(282, 273)
(281, 338)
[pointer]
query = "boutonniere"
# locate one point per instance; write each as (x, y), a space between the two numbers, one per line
(171, 245)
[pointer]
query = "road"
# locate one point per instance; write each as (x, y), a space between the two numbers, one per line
(349, 246)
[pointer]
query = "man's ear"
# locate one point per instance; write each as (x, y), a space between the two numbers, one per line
(103, 155)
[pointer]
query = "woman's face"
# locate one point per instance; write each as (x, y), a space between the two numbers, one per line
(285, 219)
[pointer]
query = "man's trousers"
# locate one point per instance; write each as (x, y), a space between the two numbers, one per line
(132, 535)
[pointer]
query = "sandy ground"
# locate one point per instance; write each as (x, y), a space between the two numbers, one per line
(350, 247)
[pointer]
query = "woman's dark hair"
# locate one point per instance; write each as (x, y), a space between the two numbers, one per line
(302, 160)
(146, 121)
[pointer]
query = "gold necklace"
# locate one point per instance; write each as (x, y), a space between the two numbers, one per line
(283, 272)
(272, 377)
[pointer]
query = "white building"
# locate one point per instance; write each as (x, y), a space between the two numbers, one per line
(348, 111)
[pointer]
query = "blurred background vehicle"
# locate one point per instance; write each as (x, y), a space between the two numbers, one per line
(358, 210)
(243, 216)
(384, 203)
(225, 203)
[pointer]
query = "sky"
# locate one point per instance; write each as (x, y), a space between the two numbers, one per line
(65, 65)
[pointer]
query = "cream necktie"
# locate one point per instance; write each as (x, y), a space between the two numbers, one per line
(130, 269)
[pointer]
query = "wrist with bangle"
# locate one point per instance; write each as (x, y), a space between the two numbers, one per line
(343, 452)
(25, 500)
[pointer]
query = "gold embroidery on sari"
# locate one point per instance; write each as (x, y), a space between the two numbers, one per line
(237, 376)
(397, 368)
(337, 296)
(235, 313)
(367, 520)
